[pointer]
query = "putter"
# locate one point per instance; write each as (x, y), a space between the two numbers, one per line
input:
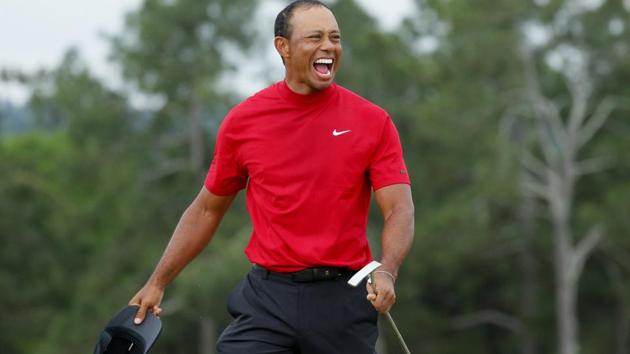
(368, 271)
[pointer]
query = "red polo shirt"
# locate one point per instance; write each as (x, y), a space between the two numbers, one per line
(309, 163)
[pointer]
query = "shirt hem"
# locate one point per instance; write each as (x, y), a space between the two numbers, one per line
(389, 183)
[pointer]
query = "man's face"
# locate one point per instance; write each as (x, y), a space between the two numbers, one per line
(314, 49)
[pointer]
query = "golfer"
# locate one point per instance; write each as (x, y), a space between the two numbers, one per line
(309, 153)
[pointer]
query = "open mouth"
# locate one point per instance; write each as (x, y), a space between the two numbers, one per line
(323, 67)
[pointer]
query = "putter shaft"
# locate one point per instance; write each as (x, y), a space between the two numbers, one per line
(398, 334)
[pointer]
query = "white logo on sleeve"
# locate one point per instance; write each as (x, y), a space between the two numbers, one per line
(336, 133)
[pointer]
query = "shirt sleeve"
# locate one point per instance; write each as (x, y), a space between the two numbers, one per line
(225, 175)
(388, 165)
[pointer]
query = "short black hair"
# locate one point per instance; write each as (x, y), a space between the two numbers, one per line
(282, 28)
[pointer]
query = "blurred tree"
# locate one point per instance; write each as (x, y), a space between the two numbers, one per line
(180, 50)
(575, 70)
(554, 177)
(62, 198)
(92, 192)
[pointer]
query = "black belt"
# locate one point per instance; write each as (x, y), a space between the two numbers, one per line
(308, 274)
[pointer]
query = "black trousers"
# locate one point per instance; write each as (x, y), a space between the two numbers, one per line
(277, 315)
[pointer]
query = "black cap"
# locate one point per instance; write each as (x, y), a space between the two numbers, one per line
(122, 336)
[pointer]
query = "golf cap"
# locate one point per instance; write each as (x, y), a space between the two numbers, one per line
(122, 336)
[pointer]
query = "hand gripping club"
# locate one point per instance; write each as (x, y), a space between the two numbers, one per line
(367, 271)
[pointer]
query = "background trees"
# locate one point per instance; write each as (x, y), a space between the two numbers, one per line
(92, 187)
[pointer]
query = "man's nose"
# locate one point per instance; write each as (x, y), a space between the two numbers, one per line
(327, 44)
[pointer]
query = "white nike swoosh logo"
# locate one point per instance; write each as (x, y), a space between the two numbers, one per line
(336, 133)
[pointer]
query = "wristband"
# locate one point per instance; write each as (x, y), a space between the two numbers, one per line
(388, 273)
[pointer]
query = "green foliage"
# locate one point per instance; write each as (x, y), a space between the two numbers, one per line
(171, 46)
(92, 192)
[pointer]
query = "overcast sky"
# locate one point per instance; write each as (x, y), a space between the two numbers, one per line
(35, 33)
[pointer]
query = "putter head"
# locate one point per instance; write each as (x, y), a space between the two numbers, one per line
(358, 277)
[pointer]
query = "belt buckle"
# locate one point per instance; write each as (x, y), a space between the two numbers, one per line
(315, 274)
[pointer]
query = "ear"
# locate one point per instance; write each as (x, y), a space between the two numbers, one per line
(282, 46)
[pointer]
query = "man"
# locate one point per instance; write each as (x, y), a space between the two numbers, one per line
(309, 153)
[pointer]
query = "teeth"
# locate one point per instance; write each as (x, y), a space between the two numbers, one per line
(324, 61)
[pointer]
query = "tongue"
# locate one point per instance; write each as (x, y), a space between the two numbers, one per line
(322, 68)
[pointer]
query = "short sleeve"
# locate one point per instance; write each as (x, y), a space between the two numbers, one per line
(225, 175)
(387, 166)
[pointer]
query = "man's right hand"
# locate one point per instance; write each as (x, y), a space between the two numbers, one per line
(149, 299)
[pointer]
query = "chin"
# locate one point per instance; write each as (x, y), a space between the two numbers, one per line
(321, 85)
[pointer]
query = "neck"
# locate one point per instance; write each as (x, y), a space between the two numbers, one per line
(297, 86)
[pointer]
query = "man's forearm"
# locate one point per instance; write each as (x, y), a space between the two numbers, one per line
(397, 238)
(396, 204)
(193, 232)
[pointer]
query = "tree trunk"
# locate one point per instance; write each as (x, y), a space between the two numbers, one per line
(566, 318)
(207, 337)
(529, 300)
(566, 311)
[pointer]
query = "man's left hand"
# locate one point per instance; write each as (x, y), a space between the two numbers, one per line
(381, 292)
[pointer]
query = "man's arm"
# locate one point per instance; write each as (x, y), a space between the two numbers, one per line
(193, 232)
(398, 213)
